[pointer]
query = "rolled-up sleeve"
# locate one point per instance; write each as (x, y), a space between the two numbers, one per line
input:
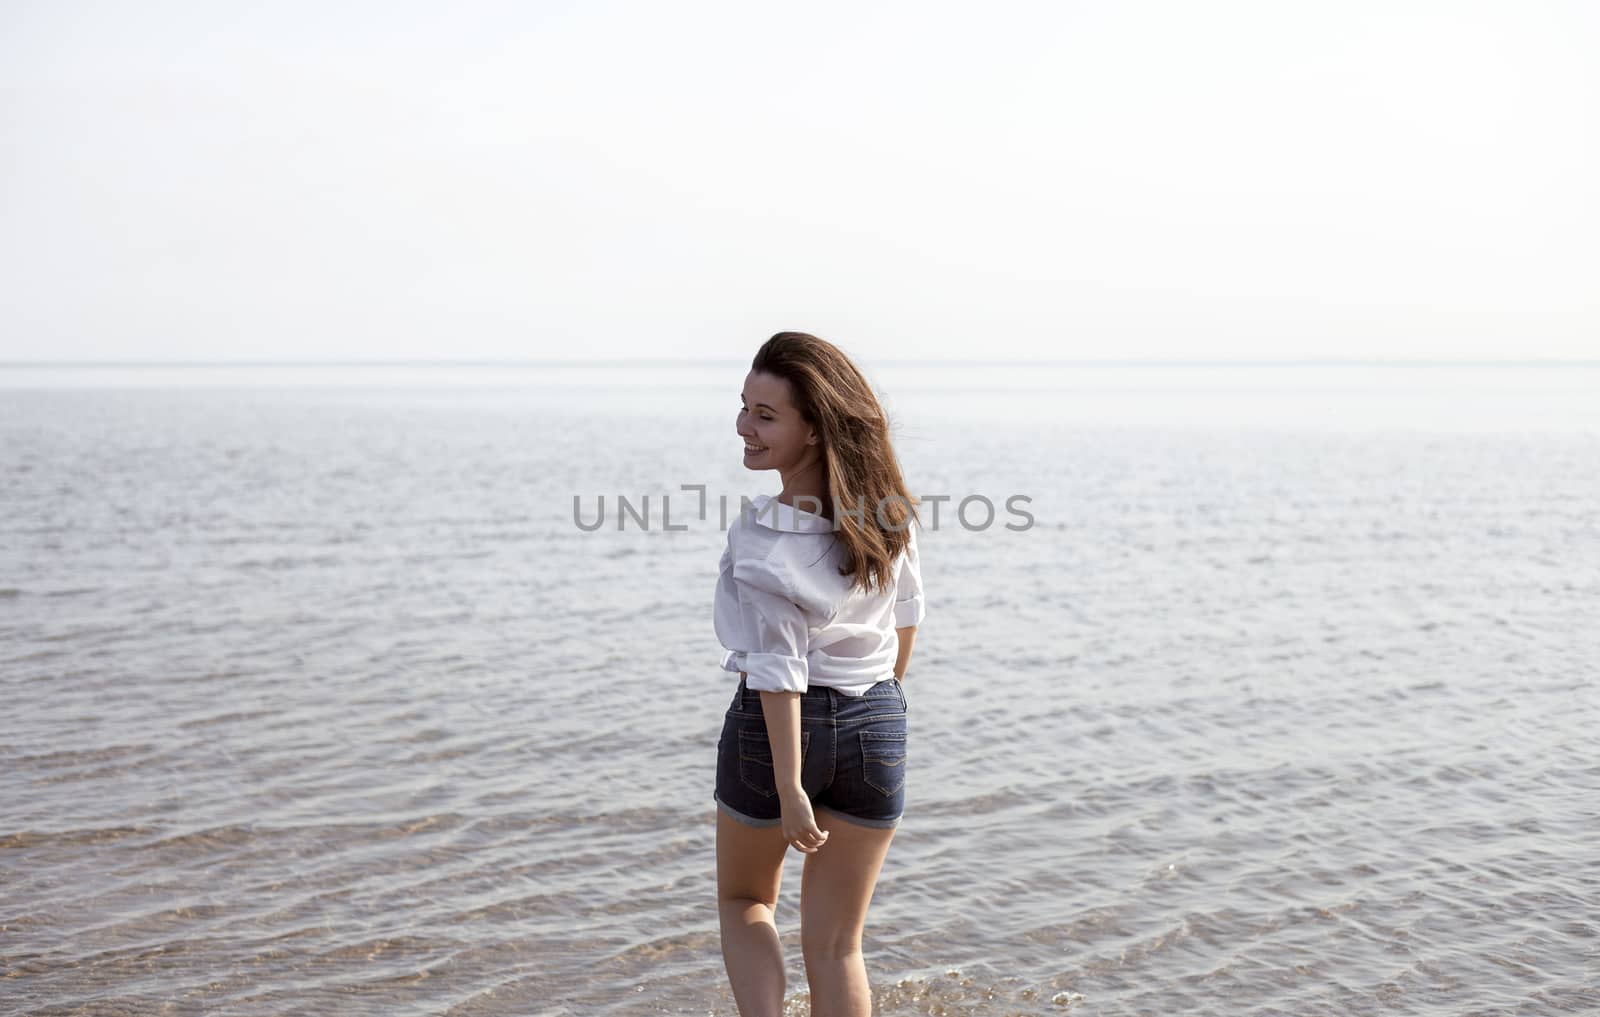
(777, 626)
(910, 606)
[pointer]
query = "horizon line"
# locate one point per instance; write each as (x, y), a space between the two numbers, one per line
(723, 362)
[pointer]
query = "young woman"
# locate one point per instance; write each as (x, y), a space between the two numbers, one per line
(817, 605)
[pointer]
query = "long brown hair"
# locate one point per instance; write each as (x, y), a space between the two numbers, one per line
(865, 490)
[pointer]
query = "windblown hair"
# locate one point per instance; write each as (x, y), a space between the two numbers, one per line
(866, 497)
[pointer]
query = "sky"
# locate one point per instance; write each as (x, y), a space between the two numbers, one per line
(1116, 180)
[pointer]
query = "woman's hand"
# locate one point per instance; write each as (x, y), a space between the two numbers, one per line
(799, 821)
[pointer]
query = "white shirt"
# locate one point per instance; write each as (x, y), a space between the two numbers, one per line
(789, 620)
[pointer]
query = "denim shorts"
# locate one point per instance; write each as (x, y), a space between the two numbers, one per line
(852, 755)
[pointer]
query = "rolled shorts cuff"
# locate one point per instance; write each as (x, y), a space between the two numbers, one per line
(761, 824)
(877, 824)
(734, 813)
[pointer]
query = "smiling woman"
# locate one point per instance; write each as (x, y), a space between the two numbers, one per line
(758, 441)
(817, 610)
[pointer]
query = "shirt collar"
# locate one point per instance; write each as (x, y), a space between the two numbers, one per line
(775, 515)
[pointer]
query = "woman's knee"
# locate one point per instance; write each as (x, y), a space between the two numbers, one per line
(829, 944)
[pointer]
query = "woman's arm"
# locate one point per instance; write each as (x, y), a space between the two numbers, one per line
(908, 636)
(774, 642)
(910, 604)
(782, 713)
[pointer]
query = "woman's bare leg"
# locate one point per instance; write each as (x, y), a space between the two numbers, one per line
(835, 888)
(749, 871)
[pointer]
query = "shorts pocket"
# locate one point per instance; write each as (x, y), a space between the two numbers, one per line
(883, 760)
(755, 761)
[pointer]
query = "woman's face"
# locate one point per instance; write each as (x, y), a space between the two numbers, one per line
(769, 422)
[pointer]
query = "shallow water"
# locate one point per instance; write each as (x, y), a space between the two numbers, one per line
(319, 701)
